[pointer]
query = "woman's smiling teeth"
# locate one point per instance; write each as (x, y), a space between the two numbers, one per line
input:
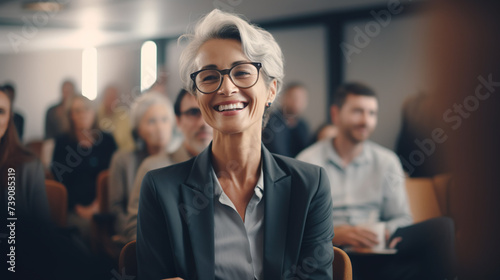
(230, 107)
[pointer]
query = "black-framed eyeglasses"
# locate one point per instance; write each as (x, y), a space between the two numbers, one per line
(192, 112)
(243, 75)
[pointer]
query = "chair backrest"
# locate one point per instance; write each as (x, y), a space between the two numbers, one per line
(423, 200)
(103, 191)
(127, 260)
(58, 201)
(342, 269)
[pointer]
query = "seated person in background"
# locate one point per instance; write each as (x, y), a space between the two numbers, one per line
(21, 175)
(368, 186)
(197, 136)
(152, 122)
(18, 118)
(79, 156)
(286, 132)
(41, 252)
(114, 119)
(235, 211)
(56, 119)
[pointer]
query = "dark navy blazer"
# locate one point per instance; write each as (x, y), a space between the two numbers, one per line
(175, 230)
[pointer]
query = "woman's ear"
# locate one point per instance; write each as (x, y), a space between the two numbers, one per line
(272, 92)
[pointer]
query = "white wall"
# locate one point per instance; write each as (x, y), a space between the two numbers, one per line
(120, 66)
(173, 52)
(391, 64)
(38, 77)
(305, 52)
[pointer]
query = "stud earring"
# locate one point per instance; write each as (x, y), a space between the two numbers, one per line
(269, 104)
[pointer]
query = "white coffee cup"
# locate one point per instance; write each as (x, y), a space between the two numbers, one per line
(379, 230)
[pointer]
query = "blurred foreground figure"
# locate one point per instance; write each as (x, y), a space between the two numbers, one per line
(464, 71)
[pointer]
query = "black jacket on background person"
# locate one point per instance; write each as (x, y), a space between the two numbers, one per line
(77, 168)
(284, 140)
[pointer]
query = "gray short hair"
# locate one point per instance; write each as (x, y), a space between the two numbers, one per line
(144, 102)
(258, 45)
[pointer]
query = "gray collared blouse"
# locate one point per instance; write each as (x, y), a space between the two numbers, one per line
(238, 245)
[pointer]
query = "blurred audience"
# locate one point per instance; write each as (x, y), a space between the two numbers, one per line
(368, 187)
(41, 250)
(22, 176)
(197, 136)
(153, 120)
(114, 119)
(18, 118)
(79, 156)
(56, 120)
(286, 132)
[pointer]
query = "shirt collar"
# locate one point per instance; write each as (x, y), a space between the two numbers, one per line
(333, 157)
(258, 189)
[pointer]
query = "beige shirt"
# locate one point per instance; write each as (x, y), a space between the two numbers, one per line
(150, 163)
(122, 172)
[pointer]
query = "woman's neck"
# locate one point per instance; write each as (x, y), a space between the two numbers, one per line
(237, 156)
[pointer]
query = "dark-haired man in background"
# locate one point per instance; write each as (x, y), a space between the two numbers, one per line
(368, 188)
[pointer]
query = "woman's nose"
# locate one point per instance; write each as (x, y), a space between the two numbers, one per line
(227, 87)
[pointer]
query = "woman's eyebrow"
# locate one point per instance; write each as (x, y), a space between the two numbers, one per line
(213, 66)
(209, 66)
(238, 62)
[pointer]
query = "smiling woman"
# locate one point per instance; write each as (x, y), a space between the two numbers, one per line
(235, 211)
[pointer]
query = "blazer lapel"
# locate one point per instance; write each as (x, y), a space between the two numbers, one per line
(197, 209)
(277, 199)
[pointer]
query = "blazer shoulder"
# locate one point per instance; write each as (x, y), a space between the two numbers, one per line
(294, 163)
(299, 169)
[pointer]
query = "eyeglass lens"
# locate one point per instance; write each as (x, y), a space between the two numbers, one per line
(242, 75)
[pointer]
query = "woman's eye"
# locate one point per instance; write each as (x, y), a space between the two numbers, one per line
(240, 74)
(210, 78)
